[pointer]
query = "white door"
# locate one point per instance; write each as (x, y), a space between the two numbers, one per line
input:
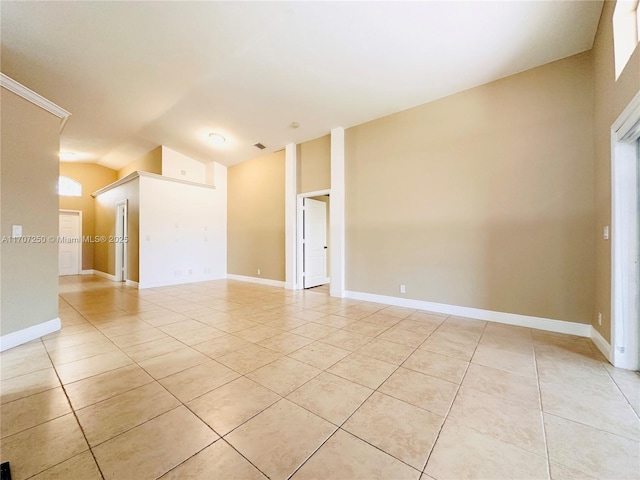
(315, 243)
(69, 245)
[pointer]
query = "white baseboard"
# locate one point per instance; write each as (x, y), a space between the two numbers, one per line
(25, 335)
(261, 281)
(104, 275)
(292, 286)
(601, 343)
(129, 283)
(177, 281)
(560, 326)
(337, 292)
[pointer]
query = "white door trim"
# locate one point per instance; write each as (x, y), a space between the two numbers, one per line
(79, 212)
(121, 272)
(299, 283)
(624, 234)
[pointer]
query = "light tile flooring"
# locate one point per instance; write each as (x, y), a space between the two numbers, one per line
(227, 380)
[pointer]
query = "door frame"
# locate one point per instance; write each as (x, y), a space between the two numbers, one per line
(122, 261)
(80, 243)
(337, 238)
(625, 311)
(299, 282)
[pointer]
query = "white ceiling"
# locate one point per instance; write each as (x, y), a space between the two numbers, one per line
(135, 75)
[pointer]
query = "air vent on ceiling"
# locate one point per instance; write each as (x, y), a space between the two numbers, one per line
(260, 146)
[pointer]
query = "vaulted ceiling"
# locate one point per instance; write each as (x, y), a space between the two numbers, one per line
(135, 75)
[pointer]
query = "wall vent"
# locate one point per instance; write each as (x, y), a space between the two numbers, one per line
(260, 146)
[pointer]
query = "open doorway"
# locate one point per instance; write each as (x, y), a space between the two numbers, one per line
(625, 281)
(313, 249)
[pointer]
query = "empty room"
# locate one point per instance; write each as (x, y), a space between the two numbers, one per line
(320, 240)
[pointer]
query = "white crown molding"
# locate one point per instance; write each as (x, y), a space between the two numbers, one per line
(25, 335)
(117, 183)
(550, 325)
(33, 97)
(155, 176)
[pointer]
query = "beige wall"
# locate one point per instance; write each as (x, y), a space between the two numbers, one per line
(105, 218)
(483, 199)
(92, 177)
(611, 98)
(151, 163)
(314, 165)
(255, 221)
(30, 142)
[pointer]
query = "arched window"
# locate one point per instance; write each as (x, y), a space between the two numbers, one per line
(68, 187)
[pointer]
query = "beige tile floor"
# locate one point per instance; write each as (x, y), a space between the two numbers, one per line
(227, 380)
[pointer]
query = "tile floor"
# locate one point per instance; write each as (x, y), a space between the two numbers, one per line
(227, 380)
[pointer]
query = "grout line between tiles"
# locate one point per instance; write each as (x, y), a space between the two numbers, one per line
(622, 392)
(75, 415)
(544, 427)
(454, 397)
(135, 426)
(376, 390)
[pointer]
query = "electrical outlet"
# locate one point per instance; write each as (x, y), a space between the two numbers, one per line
(258, 271)
(403, 289)
(599, 319)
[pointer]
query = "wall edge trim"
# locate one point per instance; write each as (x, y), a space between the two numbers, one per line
(25, 335)
(548, 324)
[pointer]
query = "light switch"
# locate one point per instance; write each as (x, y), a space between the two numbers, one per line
(16, 231)
(605, 232)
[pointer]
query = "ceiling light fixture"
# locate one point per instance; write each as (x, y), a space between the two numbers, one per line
(216, 138)
(294, 125)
